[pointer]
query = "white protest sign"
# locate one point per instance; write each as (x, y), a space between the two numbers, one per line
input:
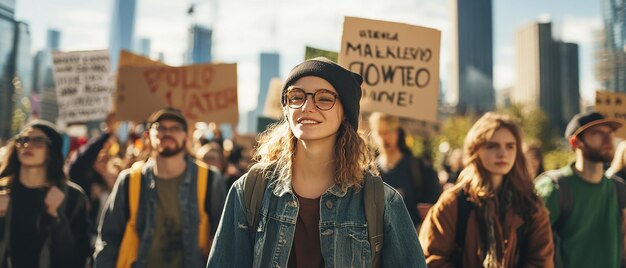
(84, 85)
(399, 64)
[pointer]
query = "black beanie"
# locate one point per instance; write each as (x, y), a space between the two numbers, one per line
(56, 140)
(346, 82)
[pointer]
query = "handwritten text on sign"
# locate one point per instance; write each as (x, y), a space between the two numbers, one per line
(399, 64)
(84, 85)
(206, 92)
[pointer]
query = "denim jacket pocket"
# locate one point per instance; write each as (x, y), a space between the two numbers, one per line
(353, 247)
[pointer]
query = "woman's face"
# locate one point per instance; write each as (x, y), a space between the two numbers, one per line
(498, 154)
(32, 147)
(309, 122)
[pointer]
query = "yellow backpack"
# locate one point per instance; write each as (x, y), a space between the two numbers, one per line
(130, 242)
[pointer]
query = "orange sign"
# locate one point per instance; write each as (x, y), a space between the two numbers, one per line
(204, 92)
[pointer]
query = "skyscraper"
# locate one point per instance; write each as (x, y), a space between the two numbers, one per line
(144, 47)
(547, 73)
(122, 29)
(43, 80)
(269, 68)
(472, 69)
(570, 81)
(199, 44)
(610, 53)
(15, 70)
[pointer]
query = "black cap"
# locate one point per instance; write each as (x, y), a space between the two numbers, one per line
(168, 113)
(346, 82)
(583, 121)
(50, 130)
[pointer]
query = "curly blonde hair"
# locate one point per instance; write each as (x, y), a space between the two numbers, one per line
(353, 158)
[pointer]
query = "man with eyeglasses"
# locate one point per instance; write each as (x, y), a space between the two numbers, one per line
(177, 212)
(586, 207)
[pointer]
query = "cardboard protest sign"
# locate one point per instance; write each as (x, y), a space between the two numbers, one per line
(311, 52)
(273, 108)
(399, 64)
(84, 85)
(613, 105)
(204, 92)
(129, 58)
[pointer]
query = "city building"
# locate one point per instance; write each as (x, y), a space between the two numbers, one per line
(610, 53)
(15, 71)
(43, 79)
(547, 74)
(199, 44)
(471, 85)
(122, 31)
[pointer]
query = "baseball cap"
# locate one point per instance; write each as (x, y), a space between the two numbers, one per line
(583, 121)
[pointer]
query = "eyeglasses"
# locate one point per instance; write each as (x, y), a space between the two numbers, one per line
(162, 129)
(323, 99)
(35, 142)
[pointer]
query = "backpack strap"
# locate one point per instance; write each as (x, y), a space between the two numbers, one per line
(374, 203)
(204, 236)
(253, 191)
(566, 200)
(130, 241)
(620, 189)
(463, 211)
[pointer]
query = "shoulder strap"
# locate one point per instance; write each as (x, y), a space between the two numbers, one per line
(134, 184)
(253, 190)
(620, 188)
(127, 253)
(564, 191)
(463, 211)
(374, 203)
(416, 175)
(204, 237)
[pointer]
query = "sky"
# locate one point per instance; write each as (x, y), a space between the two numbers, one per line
(245, 28)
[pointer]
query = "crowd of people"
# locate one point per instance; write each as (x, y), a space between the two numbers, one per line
(320, 193)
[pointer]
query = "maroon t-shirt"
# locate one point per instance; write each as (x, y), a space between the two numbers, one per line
(306, 250)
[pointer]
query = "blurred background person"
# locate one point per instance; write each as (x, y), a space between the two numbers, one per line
(43, 216)
(534, 160)
(492, 217)
(617, 164)
(412, 177)
(452, 167)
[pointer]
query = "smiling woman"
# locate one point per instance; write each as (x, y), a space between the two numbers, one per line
(316, 165)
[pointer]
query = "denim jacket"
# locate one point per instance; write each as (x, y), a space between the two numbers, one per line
(116, 214)
(342, 228)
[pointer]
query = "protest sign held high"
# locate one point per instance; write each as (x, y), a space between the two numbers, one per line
(128, 58)
(84, 85)
(399, 64)
(311, 52)
(273, 108)
(612, 105)
(204, 92)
